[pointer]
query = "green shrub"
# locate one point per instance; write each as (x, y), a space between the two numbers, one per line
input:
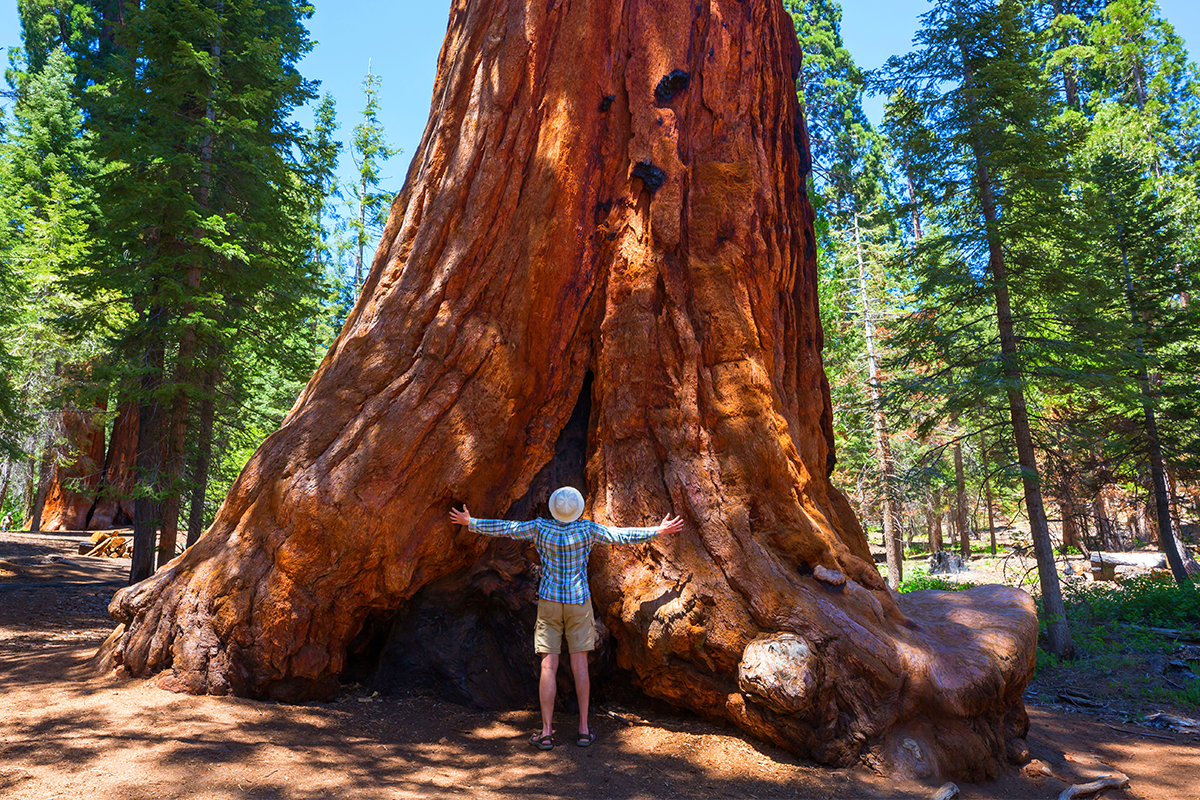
(920, 580)
(1142, 600)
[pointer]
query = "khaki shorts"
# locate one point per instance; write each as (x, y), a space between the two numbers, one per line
(576, 622)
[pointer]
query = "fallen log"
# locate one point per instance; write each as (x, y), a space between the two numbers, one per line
(1173, 633)
(1106, 782)
(947, 792)
(1143, 560)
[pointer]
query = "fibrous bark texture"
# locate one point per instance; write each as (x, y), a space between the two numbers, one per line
(77, 471)
(605, 222)
(114, 505)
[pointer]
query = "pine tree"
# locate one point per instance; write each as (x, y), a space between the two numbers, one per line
(850, 187)
(975, 73)
(47, 207)
(369, 151)
(204, 229)
(1143, 275)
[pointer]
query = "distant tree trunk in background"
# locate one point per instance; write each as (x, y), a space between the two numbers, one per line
(45, 475)
(147, 517)
(883, 448)
(204, 431)
(935, 521)
(987, 488)
(114, 505)
(1070, 524)
(8, 467)
(1176, 502)
(1104, 526)
(76, 471)
(960, 499)
(601, 269)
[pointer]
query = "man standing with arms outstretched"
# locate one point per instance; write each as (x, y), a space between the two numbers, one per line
(564, 601)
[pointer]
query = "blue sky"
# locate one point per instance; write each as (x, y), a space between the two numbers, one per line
(401, 41)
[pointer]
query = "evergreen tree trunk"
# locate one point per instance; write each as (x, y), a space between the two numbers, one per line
(45, 476)
(185, 368)
(1162, 498)
(935, 524)
(1059, 638)
(8, 465)
(883, 448)
(147, 515)
(1104, 526)
(1162, 503)
(960, 499)
(611, 281)
(115, 505)
(362, 235)
(987, 489)
(203, 457)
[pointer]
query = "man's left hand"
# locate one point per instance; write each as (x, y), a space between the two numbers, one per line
(670, 525)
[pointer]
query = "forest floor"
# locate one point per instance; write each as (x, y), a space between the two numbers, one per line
(66, 733)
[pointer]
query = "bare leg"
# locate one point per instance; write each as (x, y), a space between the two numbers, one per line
(583, 687)
(547, 687)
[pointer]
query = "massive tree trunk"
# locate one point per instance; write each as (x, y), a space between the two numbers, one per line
(114, 506)
(606, 220)
(75, 469)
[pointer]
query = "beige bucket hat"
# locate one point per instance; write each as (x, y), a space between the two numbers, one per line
(566, 504)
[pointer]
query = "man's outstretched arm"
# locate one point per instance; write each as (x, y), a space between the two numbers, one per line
(493, 527)
(633, 535)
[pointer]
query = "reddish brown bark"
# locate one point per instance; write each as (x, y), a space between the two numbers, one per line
(114, 505)
(605, 221)
(76, 471)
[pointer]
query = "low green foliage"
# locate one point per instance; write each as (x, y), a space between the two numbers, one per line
(920, 580)
(1045, 660)
(1110, 624)
(1142, 600)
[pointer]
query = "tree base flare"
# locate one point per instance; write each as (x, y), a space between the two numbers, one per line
(544, 310)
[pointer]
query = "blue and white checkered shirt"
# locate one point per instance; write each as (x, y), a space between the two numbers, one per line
(564, 549)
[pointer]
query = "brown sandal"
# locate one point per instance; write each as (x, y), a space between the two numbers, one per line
(542, 742)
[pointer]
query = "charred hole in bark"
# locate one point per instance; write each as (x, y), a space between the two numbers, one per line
(652, 177)
(601, 210)
(607, 102)
(567, 468)
(671, 84)
(469, 636)
(362, 654)
(660, 295)
(805, 156)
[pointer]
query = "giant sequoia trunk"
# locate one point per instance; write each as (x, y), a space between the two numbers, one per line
(75, 471)
(605, 221)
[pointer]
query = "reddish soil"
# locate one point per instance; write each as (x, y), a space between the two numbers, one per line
(67, 733)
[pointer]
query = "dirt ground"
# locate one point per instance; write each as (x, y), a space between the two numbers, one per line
(65, 733)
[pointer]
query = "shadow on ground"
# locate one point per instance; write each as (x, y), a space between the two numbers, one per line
(65, 732)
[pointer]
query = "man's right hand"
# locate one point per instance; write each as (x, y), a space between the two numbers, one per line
(460, 517)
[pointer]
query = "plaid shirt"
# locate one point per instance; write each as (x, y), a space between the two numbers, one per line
(564, 549)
